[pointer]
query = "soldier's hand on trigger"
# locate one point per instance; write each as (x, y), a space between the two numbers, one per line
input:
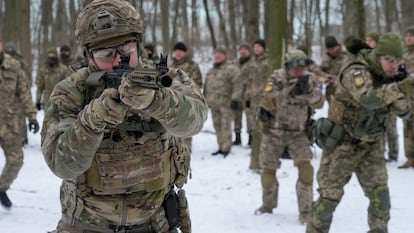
(135, 95)
(106, 109)
(33, 125)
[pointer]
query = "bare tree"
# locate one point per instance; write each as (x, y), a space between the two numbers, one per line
(276, 31)
(407, 16)
(165, 25)
(251, 13)
(210, 25)
(222, 24)
(232, 23)
(24, 37)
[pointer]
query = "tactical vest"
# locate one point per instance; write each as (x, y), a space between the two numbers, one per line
(359, 123)
(134, 156)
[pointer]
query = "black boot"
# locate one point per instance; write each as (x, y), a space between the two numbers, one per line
(216, 153)
(238, 139)
(250, 139)
(4, 200)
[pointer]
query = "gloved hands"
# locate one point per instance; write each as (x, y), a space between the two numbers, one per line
(407, 85)
(106, 109)
(265, 115)
(33, 125)
(301, 87)
(135, 96)
(38, 106)
(234, 105)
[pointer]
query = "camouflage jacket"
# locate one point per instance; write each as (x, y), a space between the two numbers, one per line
(290, 112)
(119, 175)
(15, 95)
(332, 65)
(223, 84)
(248, 77)
(362, 101)
(47, 78)
(409, 59)
(191, 68)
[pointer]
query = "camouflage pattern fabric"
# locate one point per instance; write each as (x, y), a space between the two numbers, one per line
(254, 92)
(222, 85)
(409, 122)
(16, 95)
(46, 80)
(360, 151)
(251, 89)
(391, 136)
(117, 175)
(332, 66)
(287, 130)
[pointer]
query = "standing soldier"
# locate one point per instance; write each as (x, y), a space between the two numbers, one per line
(409, 122)
(246, 65)
(66, 56)
(391, 135)
(332, 63)
(351, 136)
(114, 147)
(182, 61)
(256, 87)
(15, 94)
(48, 76)
(289, 93)
(222, 91)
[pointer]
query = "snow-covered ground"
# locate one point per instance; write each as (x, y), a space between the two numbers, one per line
(223, 194)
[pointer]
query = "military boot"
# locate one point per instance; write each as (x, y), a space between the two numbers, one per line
(4, 200)
(238, 139)
(408, 164)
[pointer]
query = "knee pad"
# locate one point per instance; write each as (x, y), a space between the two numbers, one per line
(380, 201)
(305, 172)
(324, 208)
(268, 178)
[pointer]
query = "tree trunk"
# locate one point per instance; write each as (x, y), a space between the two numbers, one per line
(252, 20)
(210, 25)
(276, 31)
(389, 13)
(195, 31)
(46, 21)
(165, 20)
(175, 24)
(11, 26)
(185, 25)
(407, 9)
(222, 25)
(25, 44)
(232, 22)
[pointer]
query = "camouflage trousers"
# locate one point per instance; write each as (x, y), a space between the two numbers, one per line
(392, 136)
(409, 137)
(256, 127)
(238, 119)
(12, 147)
(222, 118)
(271, 149)
(187, 141)
(366, 160)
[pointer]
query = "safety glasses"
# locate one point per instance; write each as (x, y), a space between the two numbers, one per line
(110, 53)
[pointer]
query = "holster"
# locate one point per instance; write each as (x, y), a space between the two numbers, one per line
(170, 206)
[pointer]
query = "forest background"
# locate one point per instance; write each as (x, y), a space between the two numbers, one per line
(36, 25)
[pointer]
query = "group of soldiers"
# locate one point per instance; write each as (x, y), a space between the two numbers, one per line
(122, 149)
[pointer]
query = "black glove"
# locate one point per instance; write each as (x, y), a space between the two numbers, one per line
(38, 106)
(265, 115)
(247, 103)
(33, 125)
(234, 105)
(301, 87)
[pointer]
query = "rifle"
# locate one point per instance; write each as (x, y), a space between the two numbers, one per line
(151, 78)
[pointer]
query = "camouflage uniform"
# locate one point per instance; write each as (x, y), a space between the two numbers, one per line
(409, 122)
(15, 95)
(254, 94)
(193, 71)
(47, 77)
(119, 161)
(332, 66)
(354, 135)
(222, 85)
(286, 129)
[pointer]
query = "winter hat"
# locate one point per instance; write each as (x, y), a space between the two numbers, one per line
(180, 46)
(246, 46)
(373, 35)
(52, 50)
(390, 44)
(10, 47)
(330, 42)
(65, 48)
(410, 30)
(260, 42)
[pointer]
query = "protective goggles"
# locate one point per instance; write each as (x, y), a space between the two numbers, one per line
(297, 63)
(110, 53)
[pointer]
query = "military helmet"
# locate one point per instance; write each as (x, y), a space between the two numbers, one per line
(106, 23)
(295, 58)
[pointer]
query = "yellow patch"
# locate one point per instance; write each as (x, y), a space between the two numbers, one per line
(269, 87)
(359, 81)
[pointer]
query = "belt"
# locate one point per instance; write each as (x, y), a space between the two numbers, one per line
(141, 228)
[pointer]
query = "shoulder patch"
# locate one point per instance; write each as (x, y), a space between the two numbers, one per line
(269, 87)
(358, 78)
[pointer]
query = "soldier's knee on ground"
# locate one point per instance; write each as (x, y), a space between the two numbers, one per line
(305, 172)
(380, 201)
(323, 209)
(268, 178)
